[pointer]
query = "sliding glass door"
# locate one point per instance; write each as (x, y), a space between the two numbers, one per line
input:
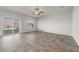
(7, 26)
(10, 26)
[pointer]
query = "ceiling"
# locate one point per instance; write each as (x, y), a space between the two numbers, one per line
(27, 10)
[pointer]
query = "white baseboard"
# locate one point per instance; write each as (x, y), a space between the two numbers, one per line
(76, 39)
(57, 33)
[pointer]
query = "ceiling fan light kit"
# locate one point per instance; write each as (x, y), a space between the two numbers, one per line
(37, 11)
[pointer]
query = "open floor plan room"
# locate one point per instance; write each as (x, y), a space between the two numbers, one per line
(39, 29)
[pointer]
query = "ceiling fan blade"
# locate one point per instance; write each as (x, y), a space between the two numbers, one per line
(41, 11)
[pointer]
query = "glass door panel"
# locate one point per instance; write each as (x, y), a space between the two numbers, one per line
(16, 26)
(7, 26)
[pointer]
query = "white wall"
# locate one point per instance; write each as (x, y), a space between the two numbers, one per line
(75, 24)
(60, 23)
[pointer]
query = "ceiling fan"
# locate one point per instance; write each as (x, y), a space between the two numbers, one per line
(37, 11)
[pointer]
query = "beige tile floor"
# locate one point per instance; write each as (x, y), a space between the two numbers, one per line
(38, 42)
